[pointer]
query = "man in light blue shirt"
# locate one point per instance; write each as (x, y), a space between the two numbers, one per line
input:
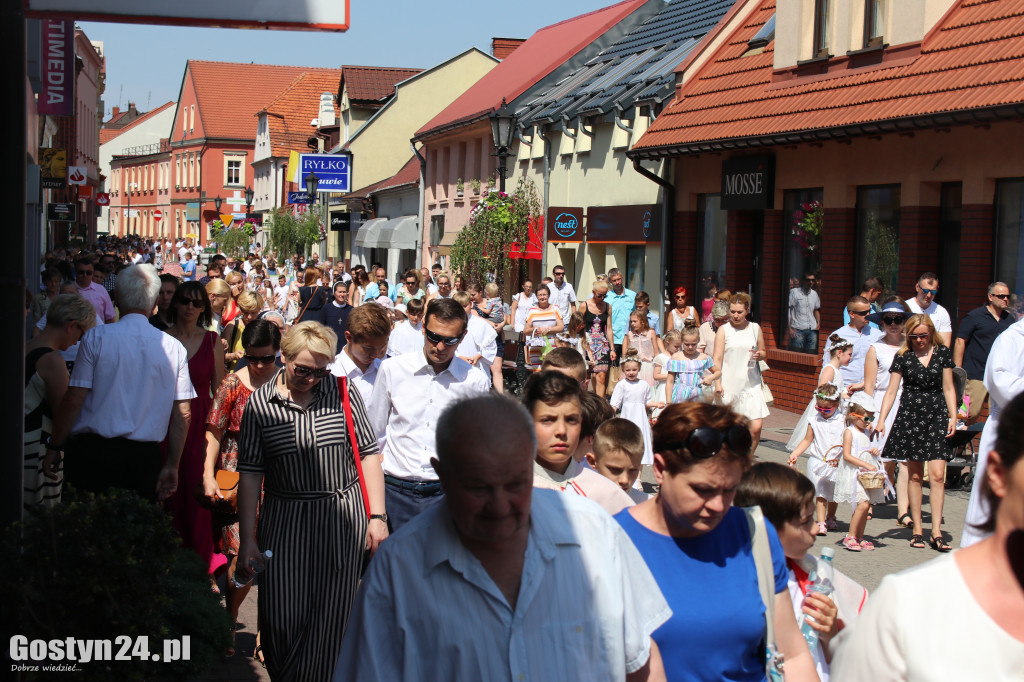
(373, 288)
(501, 580)
(861, 335)
(622, 301)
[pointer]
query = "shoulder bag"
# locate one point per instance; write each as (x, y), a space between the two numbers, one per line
(762, 553)
(762, 367)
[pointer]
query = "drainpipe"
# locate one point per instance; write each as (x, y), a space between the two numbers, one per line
(420, 208)
(547, 193)
(668, 222)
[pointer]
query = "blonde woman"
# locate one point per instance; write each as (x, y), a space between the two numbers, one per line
(221, 302)
(597, 320)
(250, 305)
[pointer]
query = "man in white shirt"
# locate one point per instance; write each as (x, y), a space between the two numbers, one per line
(183, 249)
(563, 296)
(407, 336)
(366, 339)
(804, 316)
(281, 293)
(861, 335)
(409, 395)
(924, 302)
(112, 423)
(480, 347)
(428, 282)
(502, 581)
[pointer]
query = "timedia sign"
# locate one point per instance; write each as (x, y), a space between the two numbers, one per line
(636, 224)
(60, 211)
(565, 224)
(57, 97)
(748, 183)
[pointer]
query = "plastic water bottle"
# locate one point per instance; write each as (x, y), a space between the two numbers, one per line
(255, 567)
(821, 583)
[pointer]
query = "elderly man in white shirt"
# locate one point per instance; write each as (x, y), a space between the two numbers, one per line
(924, 302)
(410, 393)
(112, 423)
(503, 581)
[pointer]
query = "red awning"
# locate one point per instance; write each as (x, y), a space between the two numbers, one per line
(535, 246)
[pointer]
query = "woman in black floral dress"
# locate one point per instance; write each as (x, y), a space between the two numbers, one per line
(924, 422)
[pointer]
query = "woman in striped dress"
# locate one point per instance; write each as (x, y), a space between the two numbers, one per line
(294, 440)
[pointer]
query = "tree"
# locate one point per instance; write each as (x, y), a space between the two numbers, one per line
(498, 223)
(290, 233)
(233, 241)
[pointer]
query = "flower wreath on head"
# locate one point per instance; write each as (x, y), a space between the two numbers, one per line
(841, 344)
(821, 395)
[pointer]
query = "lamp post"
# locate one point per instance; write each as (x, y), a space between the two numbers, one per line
(217, 204)
(131, 187)
(248, 200)
(311, 184)
(503, 128)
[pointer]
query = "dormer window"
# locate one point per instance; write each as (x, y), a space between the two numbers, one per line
(821, 23)
(874, 23)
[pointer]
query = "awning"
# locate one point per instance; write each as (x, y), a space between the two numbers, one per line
(368, 235)
(535, 242)
(400, 233)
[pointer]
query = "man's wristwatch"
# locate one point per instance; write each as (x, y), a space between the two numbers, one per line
(47, 443)
(382, 517)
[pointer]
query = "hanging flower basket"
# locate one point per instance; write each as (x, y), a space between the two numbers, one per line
(808, 226)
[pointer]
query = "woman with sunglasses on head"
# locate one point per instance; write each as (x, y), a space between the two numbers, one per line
(190, 314)
(699, 549)
(925, 420)
(299, 438)
(877, 362)
(261, 340)
(681, 315)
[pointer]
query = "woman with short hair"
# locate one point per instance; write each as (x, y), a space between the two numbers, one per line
(299, 440)
(597, 316)
(250, 305)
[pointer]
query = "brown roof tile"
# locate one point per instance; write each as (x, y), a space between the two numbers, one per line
(229, 94)
(974, 59)
(108, 134)
(373, 85)
(290, 114)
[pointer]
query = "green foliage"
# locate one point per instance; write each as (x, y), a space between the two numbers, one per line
(480, 251)
(105, 566)
(290, 233)
(233, 241)
(881, 252)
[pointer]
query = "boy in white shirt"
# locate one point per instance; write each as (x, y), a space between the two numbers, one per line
(617, 453)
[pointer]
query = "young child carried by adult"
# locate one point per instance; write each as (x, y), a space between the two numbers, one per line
(691, 373)
(672, 341)
(554, 401)
(574, 337)
(645, 342)
(859, 457)
(617, 451)
(632, 397)
(823, 442)
(785, 497)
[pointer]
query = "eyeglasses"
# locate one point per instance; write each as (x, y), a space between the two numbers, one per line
(933, 292)
(306, 372)
(446, 340)
(861, 312)
(899, 319)
(1002, 297)
(680, 297)
(194, 302)
(261, 360)
(919, 337)
(867, 418)
(559, 274)
(704, 441)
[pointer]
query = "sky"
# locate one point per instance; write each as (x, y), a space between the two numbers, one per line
(145, 64)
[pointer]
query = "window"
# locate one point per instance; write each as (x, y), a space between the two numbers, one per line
(199, 170)
(234, 172)
(874, 22)
(1009, 246)
(711, 235)
(950, 210)
(177, 170)
(192, 118)
(801, 267)
(635, 267)
(765, 35)
(878, 246)
(821, 22)
(191, 169)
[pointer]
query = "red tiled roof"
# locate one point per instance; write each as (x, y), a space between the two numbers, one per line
(372, 85)
(542, 53)
(408, 175)
(973, 59)
(108, 134)
(290, 114)
(230, 94)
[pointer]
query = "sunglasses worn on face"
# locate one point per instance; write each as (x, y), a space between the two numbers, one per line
(446, 340)
(860, 312)
(194, 302)
(919, 337)
(824, 410)
(84, 272)
(933, 292)
(705, 442)
(306, 372)
(867, 418)
(893, 320)
(1002, 297)
(260, 359)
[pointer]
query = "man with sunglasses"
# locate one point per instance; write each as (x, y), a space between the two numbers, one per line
(410, 393)
(861, 335)
(974, 339)
(924, 303)
(93, 292)
(563, 296)
(871, 290)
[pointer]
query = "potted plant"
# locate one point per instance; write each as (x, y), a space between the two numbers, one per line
(475, 182)
(460, 187)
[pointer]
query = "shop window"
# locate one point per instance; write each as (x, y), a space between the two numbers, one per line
(821, 26)
(874, 22)
(711, 250)
(802, 221)
(878, 245)
(635, 268)
(950, 210)
(1009, 246)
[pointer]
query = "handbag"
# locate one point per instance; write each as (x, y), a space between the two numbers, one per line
(766, 393)
(310, 300)
(227, 482)
(346, 407)
(762, 554)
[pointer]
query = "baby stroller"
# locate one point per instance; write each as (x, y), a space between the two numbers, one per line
(960, 469)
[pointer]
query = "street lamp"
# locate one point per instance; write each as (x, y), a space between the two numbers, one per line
(311, 182)
(248, 200)
(131, 186)
(217, 203)
(503, 128)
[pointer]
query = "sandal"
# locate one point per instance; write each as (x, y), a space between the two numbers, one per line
(850, 543)
(938, 544)
(822, 530)
(871, 512)
(866, 545)
(257, 655)
(830, 523)
(905, 520)
(917, 541)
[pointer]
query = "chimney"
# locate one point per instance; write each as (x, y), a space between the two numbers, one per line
(503, 47)
(114, 112)
(132, 111)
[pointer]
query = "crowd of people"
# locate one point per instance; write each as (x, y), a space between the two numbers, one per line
(423, 525)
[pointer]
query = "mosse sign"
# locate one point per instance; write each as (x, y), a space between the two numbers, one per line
(748, 183)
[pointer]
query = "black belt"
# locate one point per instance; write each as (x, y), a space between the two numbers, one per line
(422, 488)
